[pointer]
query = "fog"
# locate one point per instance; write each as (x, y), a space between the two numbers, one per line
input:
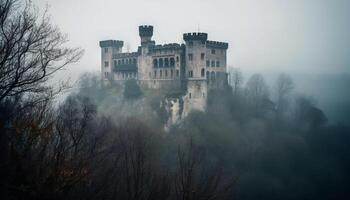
(307, 39)
(277, 128)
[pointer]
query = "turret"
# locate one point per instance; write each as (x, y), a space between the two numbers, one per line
(195, 37)
(108, 48)
(146, 33)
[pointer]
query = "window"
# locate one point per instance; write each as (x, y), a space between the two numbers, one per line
(177, 58)
(155, 74)
(172, 62)
(166, 73)
(172, 73)
(190, 95)
(190, 73)
(119, 62)
(160, 64)
(106, 50)
(213, 63)
(166, 62)
(208, 75)
(212, 76)
(106, 63)
(149, 75)
(177, 73)
(190, 44)
(160, 73)
(106, 74)
(190, 56)
(213, 51)
(155, 63)
(115, 63)
(123, 62)
(208, 63)
(202, 72)
(217, 63)
(202, 56)
(134, 60)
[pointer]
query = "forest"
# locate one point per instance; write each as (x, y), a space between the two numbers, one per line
(254, 141)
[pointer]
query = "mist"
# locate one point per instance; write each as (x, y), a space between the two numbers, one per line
(276, 126)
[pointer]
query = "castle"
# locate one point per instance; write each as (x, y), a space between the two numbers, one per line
(195, 66)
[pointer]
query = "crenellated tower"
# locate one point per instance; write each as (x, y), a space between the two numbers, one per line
(195, 57)
(108, 48)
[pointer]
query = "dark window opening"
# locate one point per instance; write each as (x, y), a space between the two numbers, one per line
(202, 72)
(160, 64)
(213, 63)
(172, 62)
(166, 62)
(155, 63)
(177, 73)
(208, 63)
(202, 56)
(213, 51)
(217, 63)
(190, 56)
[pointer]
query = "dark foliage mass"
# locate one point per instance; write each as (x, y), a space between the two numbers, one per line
(253, 141)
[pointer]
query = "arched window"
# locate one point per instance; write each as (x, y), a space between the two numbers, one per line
(177, 59)
(212, 75)
(202, 72)
(172, 62)
(123, 61)
(160, 64)
(155, 63)
(134, 60)
(166, 62)
(119, 62)
(130, 61)
(126, 61)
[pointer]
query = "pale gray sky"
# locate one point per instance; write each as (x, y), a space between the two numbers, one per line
(296, 36)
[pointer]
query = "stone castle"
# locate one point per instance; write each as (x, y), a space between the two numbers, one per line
(195, 66)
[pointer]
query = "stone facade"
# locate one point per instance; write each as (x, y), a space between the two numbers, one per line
(194, 66)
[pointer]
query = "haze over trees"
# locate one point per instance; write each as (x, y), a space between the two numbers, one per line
(255, 141)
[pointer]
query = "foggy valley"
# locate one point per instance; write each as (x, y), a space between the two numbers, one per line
(190, 100)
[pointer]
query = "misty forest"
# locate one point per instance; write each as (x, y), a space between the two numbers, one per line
(89, 140)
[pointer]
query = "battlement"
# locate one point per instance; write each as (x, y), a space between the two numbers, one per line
(146, 31)
(216, 44)
(167, 46)
(111, 43)
(195, 36)
(125, 55)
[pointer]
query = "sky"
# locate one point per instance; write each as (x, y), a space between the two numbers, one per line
(308, 39)
(297, 36)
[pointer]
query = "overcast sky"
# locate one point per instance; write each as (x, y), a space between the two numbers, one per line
(295, 36)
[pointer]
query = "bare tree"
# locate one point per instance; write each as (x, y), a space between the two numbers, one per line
(235, 79)
(284, 86)
(257, 93)
(31, 49)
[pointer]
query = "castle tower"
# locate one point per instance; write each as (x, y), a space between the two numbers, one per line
(144, 59)
(108, 48)
(146, 33)
(195, 57)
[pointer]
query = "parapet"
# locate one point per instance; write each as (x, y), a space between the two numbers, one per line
(125, 55)
(218, 45)
(146, 31)
(111, 43)
(195, 36)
